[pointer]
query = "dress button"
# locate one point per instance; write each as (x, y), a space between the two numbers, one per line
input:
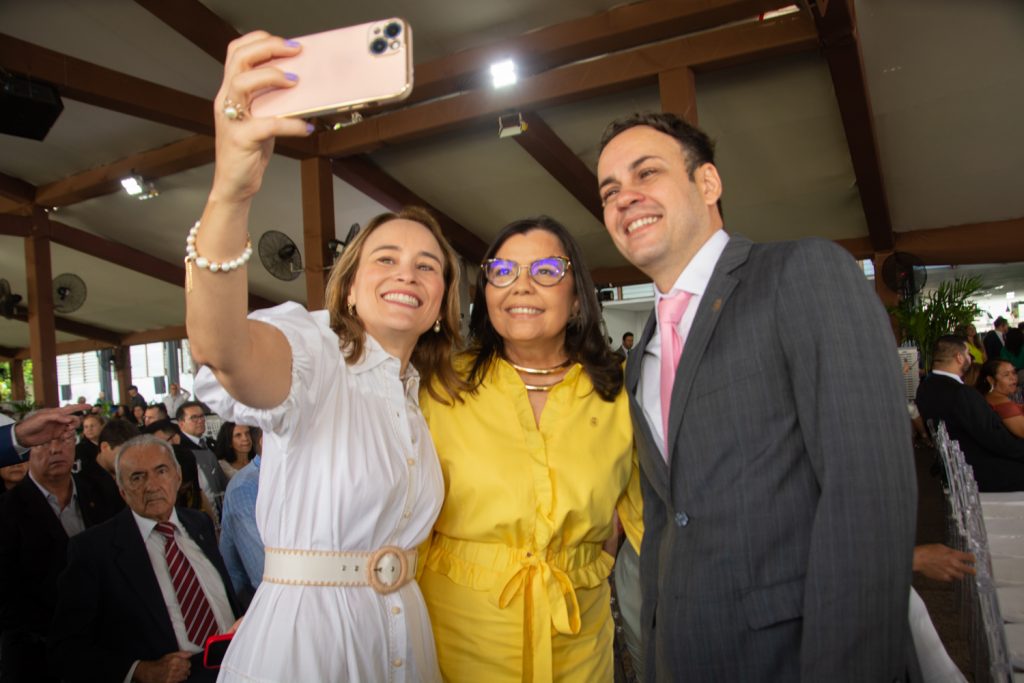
(396, 610)
(411, 461)
(682, 519)
(407, 514)
(397, 662)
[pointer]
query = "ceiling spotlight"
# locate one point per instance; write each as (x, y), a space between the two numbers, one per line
(503, 73)
(510, 125)
(137, 187)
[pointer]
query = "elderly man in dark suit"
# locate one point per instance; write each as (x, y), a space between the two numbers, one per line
(36, 519)
(144, 591)
(996, 455)
(778, 478)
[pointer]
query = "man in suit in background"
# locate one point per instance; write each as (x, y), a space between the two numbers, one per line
(191, 418)
(119, 605)
(38, 428)
(779, 485)
(995, 340)
(627, 344)
(996, 455)
(37, 517)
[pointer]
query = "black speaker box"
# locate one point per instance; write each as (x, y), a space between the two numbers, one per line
(28, 108)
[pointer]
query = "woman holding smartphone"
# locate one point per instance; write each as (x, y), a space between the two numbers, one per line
(350, 482)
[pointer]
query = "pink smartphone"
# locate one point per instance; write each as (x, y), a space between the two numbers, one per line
(344, 69)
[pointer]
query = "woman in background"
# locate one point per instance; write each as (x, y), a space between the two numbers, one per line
(998, 382)
(234, 447)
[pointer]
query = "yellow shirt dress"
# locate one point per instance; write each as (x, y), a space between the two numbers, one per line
(515, 577)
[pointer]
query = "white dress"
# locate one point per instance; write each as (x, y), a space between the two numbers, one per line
(348, 464)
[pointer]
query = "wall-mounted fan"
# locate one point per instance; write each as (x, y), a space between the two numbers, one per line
(904, 273)
(336, 247)
(69, 293)
(279, 255)
(8, 300)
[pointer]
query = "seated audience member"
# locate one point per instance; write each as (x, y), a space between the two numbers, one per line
(135, 398)
(996, 455)
(233, 447)
(89, 446)
(1013, 350)
(113, 434)
(240, 542)
(37, 517)
(139, 416)
(12, 475)
(975, 345)
(121, 412)
(627, 344)
(119, 615)
(998, 382)
(35, 430)
(189, 495)
(996, 338)
(155, 413)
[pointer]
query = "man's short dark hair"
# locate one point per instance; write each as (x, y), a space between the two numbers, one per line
(628, 334)
(160, 407)
(947, 346)
(117, 432)
(697, 146)
(165, 426)
(1000, 321)
(179, 415)
(133, 387)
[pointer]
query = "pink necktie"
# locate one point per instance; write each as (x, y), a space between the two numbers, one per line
(670, 312)
(195, 608)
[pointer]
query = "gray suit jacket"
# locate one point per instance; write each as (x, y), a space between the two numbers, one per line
(778, 547)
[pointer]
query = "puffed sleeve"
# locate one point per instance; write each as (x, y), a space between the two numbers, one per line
(316, 361)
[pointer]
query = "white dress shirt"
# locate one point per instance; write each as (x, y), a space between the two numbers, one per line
(694, 279)
(958, 378)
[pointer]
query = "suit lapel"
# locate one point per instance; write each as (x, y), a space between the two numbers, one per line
(651, 460)
(36, 507)
(714, 300)
(137, 570)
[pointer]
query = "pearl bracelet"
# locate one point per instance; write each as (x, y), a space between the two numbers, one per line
(192, 256)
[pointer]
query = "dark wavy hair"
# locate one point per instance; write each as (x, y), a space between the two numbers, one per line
(224, 445)
(988, 371)
(584, 341)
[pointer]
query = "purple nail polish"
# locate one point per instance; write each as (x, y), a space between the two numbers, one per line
(291, 43)
(309, 127)
(290, 76)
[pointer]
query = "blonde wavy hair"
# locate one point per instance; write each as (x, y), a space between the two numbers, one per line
(432, 356)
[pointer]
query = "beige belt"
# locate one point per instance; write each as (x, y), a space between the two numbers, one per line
(385, 570)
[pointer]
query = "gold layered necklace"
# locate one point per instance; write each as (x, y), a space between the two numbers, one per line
(541, 371)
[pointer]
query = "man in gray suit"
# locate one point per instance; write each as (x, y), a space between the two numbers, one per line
(779, 508)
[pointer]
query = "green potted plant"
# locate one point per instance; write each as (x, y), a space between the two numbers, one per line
(946, 308)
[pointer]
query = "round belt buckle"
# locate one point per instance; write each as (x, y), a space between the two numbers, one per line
(385, 574)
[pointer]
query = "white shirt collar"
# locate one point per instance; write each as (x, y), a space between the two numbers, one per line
(49, 496)
(697, 273)
(146, 524)
(958, 378)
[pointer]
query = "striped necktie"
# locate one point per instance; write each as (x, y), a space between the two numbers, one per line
(195, 607)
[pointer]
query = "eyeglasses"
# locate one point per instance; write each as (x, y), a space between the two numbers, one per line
(196, 418)
(546, 272)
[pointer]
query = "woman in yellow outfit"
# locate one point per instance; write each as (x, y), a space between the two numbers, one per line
(536, 460)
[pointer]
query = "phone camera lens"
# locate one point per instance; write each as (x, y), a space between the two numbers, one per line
(392, 29)
(378, 46)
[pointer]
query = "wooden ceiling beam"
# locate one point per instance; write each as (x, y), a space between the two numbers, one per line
(15, 226)
(39, 314)
(548, 150)
(705, 51)
(16, 189)
(371, 180)
(620, 28)
(317, 228)
(75, 327)
(191, 152)
(129, 257)
(955, 245)
(160, 334)
(193, 20)
(97, 85)
(837, 30)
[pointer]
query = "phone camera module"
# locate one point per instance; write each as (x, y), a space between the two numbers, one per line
(392, 29)
(378, 46)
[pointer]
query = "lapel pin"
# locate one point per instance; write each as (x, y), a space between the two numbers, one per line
(717, 306)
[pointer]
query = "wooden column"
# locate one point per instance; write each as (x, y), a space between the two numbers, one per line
(678, 92)
(17, 379)
(317, 226)
(889, 298)
(41, 324)
(123, 368)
